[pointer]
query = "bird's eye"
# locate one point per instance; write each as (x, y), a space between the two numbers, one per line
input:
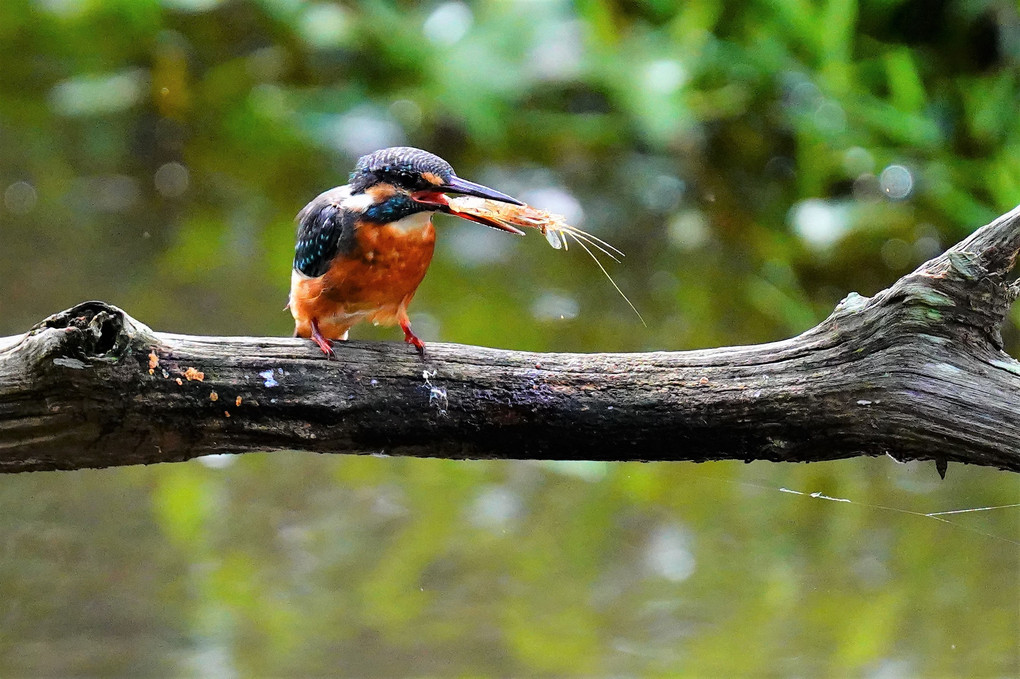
(404, 178)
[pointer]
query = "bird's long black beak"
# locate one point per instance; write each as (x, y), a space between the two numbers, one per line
(438, 199)
(458, 185)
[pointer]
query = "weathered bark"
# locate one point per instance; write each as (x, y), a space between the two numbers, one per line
(917, 371)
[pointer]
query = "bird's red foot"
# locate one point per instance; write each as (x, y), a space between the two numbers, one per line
(412, 339)
(324, 344)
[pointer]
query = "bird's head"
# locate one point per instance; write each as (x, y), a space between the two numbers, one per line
(396, 182)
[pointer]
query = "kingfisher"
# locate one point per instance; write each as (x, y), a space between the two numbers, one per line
(364, 247)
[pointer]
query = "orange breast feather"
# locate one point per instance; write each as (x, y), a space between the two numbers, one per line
(375, 282)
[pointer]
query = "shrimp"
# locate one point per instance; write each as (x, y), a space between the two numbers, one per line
(554, 227)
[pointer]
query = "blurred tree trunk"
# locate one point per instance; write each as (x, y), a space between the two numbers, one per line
(917, 371)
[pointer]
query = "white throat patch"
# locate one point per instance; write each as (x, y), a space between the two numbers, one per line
(415, 222)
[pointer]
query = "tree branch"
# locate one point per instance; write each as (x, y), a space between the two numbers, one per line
(917, 371)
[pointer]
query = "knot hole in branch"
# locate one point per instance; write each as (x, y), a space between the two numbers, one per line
(92, 330)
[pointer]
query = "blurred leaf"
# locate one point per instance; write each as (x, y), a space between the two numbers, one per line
(905, 86)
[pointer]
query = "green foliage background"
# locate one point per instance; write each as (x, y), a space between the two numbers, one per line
(756, 161)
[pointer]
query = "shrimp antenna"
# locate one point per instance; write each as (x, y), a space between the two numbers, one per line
(591, 254)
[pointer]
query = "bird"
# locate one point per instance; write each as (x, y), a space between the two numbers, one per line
(363, 248)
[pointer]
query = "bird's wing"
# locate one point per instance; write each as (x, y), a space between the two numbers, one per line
(325, 229)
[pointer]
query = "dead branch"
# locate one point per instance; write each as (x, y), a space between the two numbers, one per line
(917, 371)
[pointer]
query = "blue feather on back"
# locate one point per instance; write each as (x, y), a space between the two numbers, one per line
(323, 232)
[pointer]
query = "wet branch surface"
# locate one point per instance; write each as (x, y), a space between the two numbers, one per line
(917, 371)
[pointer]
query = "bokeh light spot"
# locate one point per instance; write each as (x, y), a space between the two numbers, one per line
(20, 198)
(473, 245)
(897, 254)
(407, 113)
(668, 554)
(689, 230)
(558, 51)
(64, 8)
(171, 179)
(267, 64)
(896, 181)
(663, 193)
(818, 223)
(448, 23)
(324, 26)
(494, 508)
(927, 243)
(830, 117)
(555, 306)
(363, 130)
(98, 94)
(192, 5)
(665, 76)
(857, 161)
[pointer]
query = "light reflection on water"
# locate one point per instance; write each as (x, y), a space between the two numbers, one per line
(362, 565)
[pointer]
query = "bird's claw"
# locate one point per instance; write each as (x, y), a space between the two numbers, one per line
(413, 340)
(419, 346)
(327, 348)
(324, 344)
